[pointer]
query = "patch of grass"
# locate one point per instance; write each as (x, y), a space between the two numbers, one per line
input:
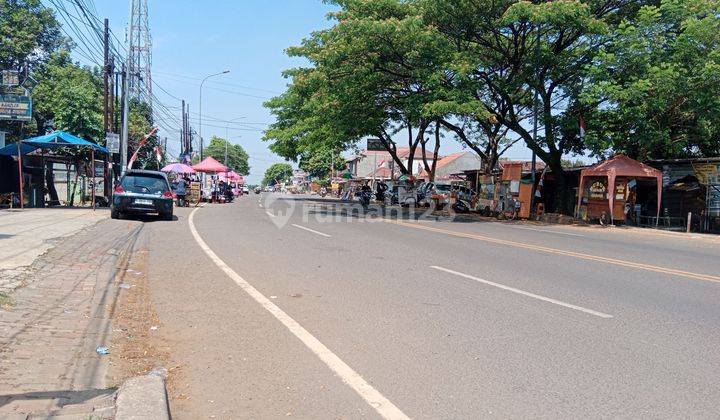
(5, 301)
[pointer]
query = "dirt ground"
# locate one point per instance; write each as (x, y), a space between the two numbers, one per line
(136, 348)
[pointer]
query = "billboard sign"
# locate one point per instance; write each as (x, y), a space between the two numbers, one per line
(15, 108)
(375, 145)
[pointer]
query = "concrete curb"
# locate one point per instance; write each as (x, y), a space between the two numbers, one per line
(142, 397)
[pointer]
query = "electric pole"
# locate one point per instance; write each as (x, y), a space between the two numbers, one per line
(125, 120)
(106, 77)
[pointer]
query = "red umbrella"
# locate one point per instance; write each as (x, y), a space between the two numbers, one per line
(210, 165)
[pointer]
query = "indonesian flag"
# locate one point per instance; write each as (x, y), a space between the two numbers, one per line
(583, 127)
(158, 154)
(140, 145)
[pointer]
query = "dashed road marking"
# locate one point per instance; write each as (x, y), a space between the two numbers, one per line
(522, 292)
(311, 230)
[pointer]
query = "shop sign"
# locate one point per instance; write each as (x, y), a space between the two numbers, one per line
(620, 192)
(15, 108)
(597, 190)
(195, 192)
(112, 142)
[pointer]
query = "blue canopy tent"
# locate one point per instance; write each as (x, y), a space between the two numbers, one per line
(54, 141)
(61, 139)
(12, 149)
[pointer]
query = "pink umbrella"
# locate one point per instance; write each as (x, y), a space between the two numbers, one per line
(178, 168)
(210, 165)
(230, 176)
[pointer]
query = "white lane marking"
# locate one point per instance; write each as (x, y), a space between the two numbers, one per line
(373, 397)
(547, 230)
(270, 214)
(522, 292)
(260, 204)
(311, 230)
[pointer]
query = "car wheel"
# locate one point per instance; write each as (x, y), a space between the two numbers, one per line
(114, 213)
(167, 216)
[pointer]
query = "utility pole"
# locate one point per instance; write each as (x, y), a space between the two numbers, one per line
(183, 133)
(125, 120)
(106, 77)
(111, 94)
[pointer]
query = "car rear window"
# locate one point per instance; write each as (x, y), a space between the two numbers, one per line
(443, 187)
(144, 184)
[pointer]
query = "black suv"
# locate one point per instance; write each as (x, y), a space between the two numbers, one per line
(142, 192)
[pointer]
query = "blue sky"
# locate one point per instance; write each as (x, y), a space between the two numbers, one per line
(248, 37)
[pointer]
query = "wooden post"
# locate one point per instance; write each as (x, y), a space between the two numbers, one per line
(20, 172)
(689, 221)
(92, 168)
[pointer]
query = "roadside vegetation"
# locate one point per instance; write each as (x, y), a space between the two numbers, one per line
(640, 77)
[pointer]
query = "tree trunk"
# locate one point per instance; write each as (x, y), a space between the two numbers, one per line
(50, 184)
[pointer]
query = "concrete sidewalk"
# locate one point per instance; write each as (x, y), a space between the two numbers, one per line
(27, 234)
(60, 310)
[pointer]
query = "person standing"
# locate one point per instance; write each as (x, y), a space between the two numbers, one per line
(181, 191)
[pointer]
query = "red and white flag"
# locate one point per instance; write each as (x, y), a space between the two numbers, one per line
(140, 145)
(158, 154)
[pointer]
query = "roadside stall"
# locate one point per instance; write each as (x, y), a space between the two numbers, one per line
(614, 187)
(182, 170)
(235, 180)
(212, 167)
(36, 171)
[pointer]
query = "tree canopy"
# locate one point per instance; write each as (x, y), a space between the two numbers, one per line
(653, 91)
(277, 173)
(643, 75)
(69, 96)
(237, 157)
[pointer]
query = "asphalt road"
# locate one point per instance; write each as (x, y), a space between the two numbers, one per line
(275, 308)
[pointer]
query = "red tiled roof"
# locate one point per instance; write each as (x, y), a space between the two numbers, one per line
(381, 172)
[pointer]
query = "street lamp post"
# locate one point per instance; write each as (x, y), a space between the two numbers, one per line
(201, 86)
(227, 136)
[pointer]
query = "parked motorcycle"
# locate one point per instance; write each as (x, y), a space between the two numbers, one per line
(365, 195)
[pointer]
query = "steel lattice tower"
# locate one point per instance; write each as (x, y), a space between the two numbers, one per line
(140, 52)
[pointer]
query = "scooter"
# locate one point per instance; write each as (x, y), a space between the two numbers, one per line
(365, 196)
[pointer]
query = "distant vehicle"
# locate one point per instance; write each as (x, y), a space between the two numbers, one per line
(245, 190)
(430, 191)
(142, 192)
(258, 190)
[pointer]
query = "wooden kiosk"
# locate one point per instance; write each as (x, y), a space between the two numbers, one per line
(605, 187)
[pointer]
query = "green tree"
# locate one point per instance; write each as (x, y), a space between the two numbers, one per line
(140, 122)
(373, 74)
(237, 157)
(277, 173)
(70, 96)
(654, 89)
(29, 33)
(508, 51)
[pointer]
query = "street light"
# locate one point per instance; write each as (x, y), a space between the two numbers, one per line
(227, 136)
(201, 86)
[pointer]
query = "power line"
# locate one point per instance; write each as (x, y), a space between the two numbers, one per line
(219, 83)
